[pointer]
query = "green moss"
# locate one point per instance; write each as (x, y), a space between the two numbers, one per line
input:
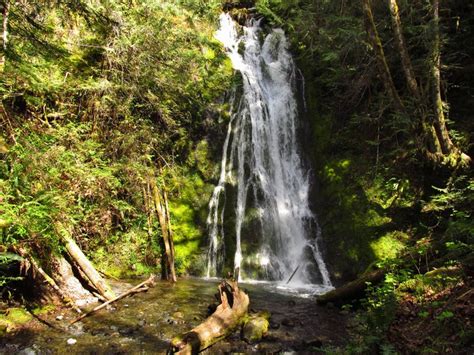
(5, 325)
(18, 316)
(375, 219)
(44, 309)
(129, 254)
(200, 158)
(389, 245)
(188, 210)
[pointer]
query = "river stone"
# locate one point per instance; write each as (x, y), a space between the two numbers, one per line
(27, 351)
(255, 328)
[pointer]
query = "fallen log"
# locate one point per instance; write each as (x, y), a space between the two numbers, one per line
(62, 272)
(229, 315)
(86, 266)
(138, 288)
(352, 290)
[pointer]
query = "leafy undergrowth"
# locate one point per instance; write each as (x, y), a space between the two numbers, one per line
(98, 103)
(440, 323)
(411, 312)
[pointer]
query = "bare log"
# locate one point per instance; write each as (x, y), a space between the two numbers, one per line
(229, 315)
(141, 287)
(92, 274)
(352, 290)
(62, 272)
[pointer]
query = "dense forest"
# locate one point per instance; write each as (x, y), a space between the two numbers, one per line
(113, 117)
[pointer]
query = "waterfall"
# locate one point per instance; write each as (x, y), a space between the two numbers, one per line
(276, 234)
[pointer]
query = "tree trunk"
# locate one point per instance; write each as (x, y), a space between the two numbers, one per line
(63, 294)
(69, 284)
(447, 146)
(432, 145)
(76, 253)
(5, 13)
(405, 57)
(376, 44)
(229, 315)
(165, 231)
(170, 231)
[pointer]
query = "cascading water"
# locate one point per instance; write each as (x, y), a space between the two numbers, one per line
(276, 234)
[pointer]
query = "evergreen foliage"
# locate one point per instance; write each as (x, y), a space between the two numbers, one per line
(95, 100)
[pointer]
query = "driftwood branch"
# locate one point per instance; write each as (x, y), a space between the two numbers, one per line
(229, 315)
(138, 288)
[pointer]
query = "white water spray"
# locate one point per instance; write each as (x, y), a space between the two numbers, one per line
(261, 163)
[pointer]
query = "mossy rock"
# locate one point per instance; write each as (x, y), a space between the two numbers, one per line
(256, 327)
(44, 309)
(5, 325)
(13, 318)
(18, 316)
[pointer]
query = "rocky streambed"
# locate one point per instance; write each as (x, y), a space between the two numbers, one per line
(146, 322)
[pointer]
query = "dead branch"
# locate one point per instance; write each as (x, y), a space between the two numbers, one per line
(136, 289)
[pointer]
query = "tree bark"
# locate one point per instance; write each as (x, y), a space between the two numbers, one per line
(92, 274)
(405, 57)
(439, 121)
(433, 146)
(170, 232)
(376, 44)
(229, 315)
(5, 13)
(68, 283)
(162, 215)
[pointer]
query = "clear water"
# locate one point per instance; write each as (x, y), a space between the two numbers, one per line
(261, 162)
(146, 322)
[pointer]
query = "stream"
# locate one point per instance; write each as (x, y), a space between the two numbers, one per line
(146, 322)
